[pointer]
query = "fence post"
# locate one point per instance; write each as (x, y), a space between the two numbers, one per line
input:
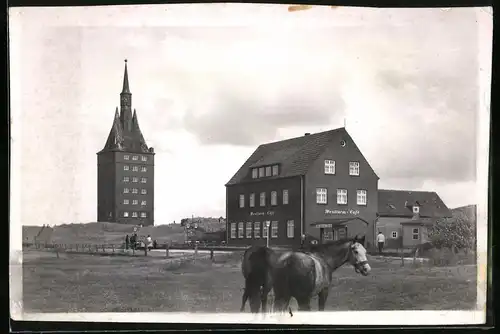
(97, 248)
(145, 249)
(166, 250)
(113, 248)
(57, 252)
(211, 254)
(104, 248)
(402, 258)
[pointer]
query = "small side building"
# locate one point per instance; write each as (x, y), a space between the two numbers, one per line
(404, 216)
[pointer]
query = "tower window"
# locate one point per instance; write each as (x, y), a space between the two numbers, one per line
(126, 157)
(135, 157)
(144, 158)
(125, 167)
(135, 168)
(144, 191)
(135, 179)
(144, 169)
(125, 214)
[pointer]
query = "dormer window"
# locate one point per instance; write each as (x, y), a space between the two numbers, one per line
(275, 170)
(268, 171)
(262, 171)
(255, 173)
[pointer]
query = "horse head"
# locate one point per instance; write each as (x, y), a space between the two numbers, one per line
(357, 256)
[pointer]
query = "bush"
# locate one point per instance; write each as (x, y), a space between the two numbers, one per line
(447, 257)
(458, 232)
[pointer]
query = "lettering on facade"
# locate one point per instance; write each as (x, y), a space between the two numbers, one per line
(342, 212)
(268, 213)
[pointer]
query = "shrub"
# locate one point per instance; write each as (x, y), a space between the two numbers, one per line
(458, 232)
(447, 257)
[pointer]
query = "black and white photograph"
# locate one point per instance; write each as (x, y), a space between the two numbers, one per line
(249, 163)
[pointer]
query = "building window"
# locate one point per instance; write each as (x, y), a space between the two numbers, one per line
(143, 180)
(361, 197)
(321, 195)
(135, 190)
(125, 190)
(125, 201)
(143, 203)
(144, 191)
(134, 214)
(126, 179)
(126, 157)
(290, 228)
(415, 233)
(144, 158)
(268, 171)
(354, 168)
(143, 214)
(341, 196)
(261, 172)
(416, 209)
(135, 179)
(394, 234)
(135, 168)
(144, 169)
(275, 170)
(262, 199)
(135, 202)
(240, 230)
(265, 229)
(135, 157)
(255, 173)
(252, 200)
(274, 198)
(285, 196)
(242, 201)
(125, 214)
(249, 230)
(327, 235)
(233, 230)
(256, 230)
(329, 166)
(125, 167)
(274, 229)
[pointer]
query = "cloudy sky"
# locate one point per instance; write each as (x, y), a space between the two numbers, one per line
(212, 82)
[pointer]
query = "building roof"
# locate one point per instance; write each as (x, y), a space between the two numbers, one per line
(295, 156)
(417, 222)
(125, 134)
(399, 203)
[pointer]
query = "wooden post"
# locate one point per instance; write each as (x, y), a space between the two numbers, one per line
(166, 250)
(211, 254)
(145, 249)
(57, 252)
(113, 248)
(97, 248)
(402, 257)
(104, 248)
(195, 251)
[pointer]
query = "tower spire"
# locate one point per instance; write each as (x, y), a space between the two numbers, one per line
(126, 88)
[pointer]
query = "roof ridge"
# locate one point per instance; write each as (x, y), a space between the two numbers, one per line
(299, 137)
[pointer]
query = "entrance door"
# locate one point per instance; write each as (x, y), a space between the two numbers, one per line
(326, 234)
(339, 233)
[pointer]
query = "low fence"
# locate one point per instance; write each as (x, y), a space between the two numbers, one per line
(113, 249)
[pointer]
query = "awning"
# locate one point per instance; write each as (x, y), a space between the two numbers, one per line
(336, 222)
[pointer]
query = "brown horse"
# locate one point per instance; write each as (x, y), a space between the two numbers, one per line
(304, 275)
(257, 267)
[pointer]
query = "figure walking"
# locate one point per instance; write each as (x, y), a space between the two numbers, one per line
(380, 242)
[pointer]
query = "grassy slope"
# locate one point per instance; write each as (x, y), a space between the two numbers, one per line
(112, 233)
(82, 283)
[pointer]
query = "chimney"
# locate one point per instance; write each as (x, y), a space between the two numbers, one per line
(307, 134)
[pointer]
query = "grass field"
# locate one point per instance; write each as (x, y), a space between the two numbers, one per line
(85, 283)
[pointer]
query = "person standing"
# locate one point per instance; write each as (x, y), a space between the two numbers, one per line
(148, 242)
(127, 241)
(380, 242)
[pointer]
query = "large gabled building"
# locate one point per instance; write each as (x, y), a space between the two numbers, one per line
(125, 169)
(318, 186)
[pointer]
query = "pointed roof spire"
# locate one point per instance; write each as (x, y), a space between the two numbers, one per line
(139, 138)
(125, 80)
(115, 137)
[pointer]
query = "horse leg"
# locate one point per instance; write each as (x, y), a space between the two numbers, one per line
(304, 303)
(322, 296)
(244, 300)
(265, 293)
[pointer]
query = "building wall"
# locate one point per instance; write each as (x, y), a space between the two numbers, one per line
(111, 183)
(106, 187)
(388, 225)
(422, 234)
(280, 213)
(316, 178)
